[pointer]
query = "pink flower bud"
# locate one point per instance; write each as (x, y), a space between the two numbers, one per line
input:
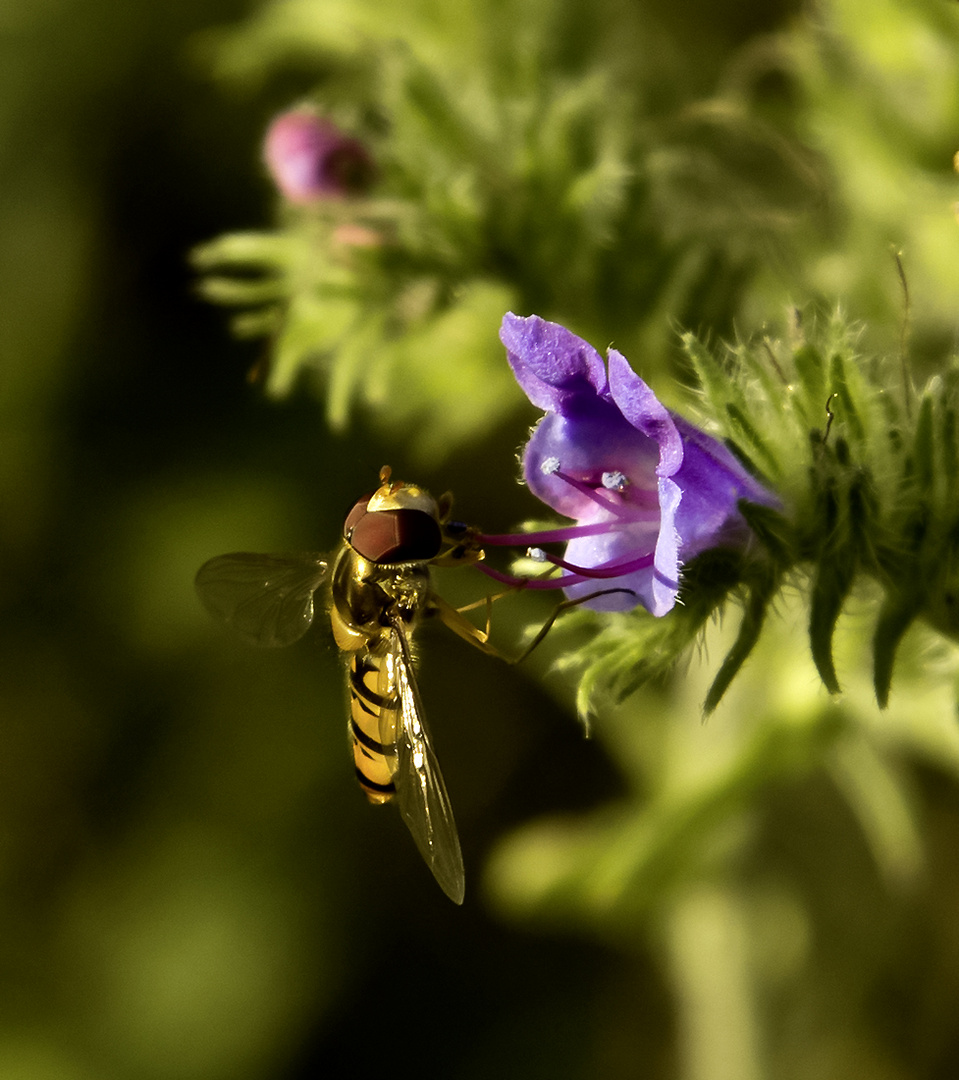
(311, 159)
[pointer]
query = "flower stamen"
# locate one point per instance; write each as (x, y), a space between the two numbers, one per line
(604, 570)
(594, 495)
(576, 575)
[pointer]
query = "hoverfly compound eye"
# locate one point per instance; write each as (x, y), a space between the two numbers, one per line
(358, 511)
(395, 536)
(388, 528)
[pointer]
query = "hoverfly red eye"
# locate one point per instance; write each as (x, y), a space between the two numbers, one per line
(356, 512)
(393, 536)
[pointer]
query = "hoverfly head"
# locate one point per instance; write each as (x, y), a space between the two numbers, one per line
(397, 523)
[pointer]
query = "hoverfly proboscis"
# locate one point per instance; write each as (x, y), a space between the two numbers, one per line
(379, 589)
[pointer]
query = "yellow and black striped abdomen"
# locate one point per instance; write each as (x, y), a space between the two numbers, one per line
(374, 707)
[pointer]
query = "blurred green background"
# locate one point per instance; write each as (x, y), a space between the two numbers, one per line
(192, 886)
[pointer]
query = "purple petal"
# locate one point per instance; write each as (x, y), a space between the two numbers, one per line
(640, 406)
(665, 585)
(556, 369)
(586, 447)
(656, 586)
(713, 482)
(675, 490)
(613, 547)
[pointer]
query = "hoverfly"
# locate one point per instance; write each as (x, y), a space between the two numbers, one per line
(379, 589)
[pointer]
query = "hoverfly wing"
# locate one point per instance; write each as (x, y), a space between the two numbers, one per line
(266, 599)
(420, 791)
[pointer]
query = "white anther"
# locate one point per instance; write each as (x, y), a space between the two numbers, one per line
(549, 466)
(536, 554)
(615, 481)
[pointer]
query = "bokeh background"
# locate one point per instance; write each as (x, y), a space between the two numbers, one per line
(191, 885)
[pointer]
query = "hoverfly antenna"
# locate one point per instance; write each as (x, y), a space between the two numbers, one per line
(385, 480)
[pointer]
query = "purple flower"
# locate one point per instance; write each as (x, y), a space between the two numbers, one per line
(311, 159)
(647, 489)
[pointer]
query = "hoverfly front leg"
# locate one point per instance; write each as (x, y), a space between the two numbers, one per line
(457, 622)
(563, 605)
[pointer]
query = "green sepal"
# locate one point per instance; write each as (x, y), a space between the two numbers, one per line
(719, 388)
(924, 443)
(839, 380)
(830, 589)
(949, 451)
(754, 615)
(770, 527)
(747, 430)
(811, 370)
(895, 618)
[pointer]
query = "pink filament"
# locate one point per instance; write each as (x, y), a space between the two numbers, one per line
(604, 570)
(593, 494)
(576, 575)
(626, 513)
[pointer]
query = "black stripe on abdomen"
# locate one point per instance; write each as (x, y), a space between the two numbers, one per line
(384, 791)
(369, 742)
(372, 715)
(360, 667)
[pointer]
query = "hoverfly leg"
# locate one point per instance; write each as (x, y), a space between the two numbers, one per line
(564, 605)
(459, 624)
(456, 621)
(486, 602)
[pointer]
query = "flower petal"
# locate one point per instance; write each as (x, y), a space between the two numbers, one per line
(586, 447)
(665, 583)
(656, 586)
(637, 587)
(557, 370)
(640, 406)
(713, 482)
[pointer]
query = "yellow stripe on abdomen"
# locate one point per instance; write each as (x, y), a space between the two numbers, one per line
(372, 716)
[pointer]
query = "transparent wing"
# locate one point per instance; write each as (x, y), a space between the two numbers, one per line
(420, 791)
(266, 599)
